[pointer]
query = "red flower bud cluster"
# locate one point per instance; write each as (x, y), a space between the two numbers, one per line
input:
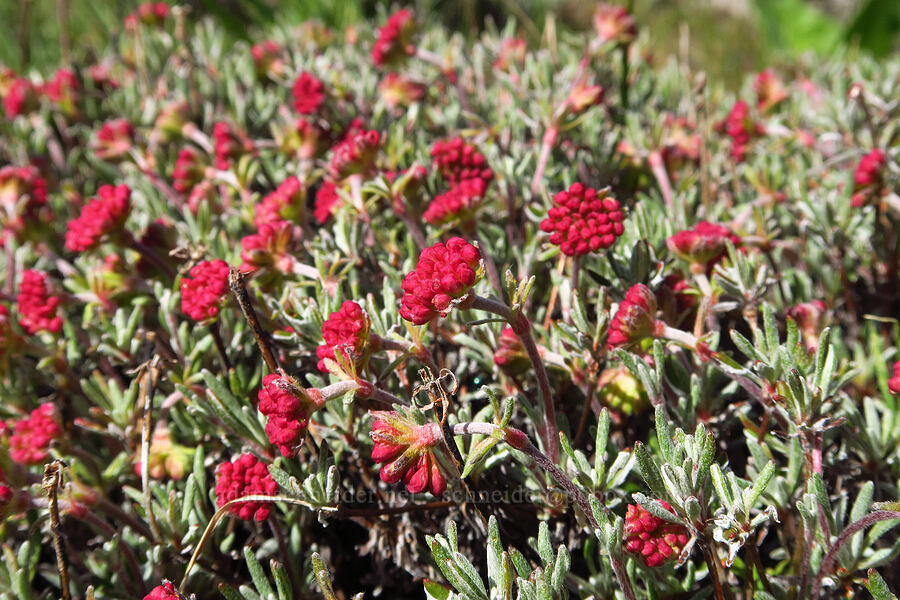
(114, 140)
(741, 128)
(149, 13)
(287, 410)
(443, 275)
(100, 77)
(355, 153)
(635, 320)
(459, 202)
(512, 52)
(405, 448)
(653, 539)
(894, 382)
(267, 59)
(38, 309)
(613, 24)
(309, 93)
(30, 440)
(394, 41)
(245, 476)
(285, 203)
(703, 246)
(770, 91)
(202, 292)
(190, 169)
(23, 192)
(345, 331)
(99, 217)
(230, 146)
(62, 89)
(271, 246)
(326, 200)
(458, 161)
(21, 97)
(583, 220)
(583, 96)
(867, 178)
(166, 591)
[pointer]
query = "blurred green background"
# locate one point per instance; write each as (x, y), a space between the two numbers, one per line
(726, 38)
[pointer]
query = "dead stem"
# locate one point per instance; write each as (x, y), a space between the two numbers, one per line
(51, 484)
(239, 289)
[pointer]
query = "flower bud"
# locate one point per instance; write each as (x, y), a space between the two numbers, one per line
(442, 279)
(635, 320)
(346, 331)
(583, 220)
(394, 41)
(621, 391)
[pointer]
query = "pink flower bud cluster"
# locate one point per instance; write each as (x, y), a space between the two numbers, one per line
(31, 436)
(653, 539)
(229, 144)
(867, 178)
(583, 220)
(190, 169)
(101, 216)
(286, 411)
(459, 202)
(21, 97)
(510, 355)
(345, 331)
(458, 161)
(741, 128)
(23, 193)
(443, 274)
(203, 291)
(326, 200)
(613, 24)
(635, 320)
(244, 476)
(152, 14)
(398, 91)
(270, 247)
(285, 203)
(703, 246)
(770, 91)
(406, 449)
(114, 140)
(309, 93)
(394, 41)
(355, 154)
(62, 88)
(267, 59)
(38, 308)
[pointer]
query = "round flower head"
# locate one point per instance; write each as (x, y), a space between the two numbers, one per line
(394, 41)
(703, 245)
(203, 291)
(288, 408)
(894, 382)
(635, 320)
(459, 203)
(267, 59)
(21, 97)
(346, 331)
(166, 591)
(101, 216)
(355, 154)
(458, 161)
(113, 140)
(406, 449)
(38, 309)
(867, 178)
(62, 90)
(247, 475)
(309, 93)
(653, 539)
(583, 220)
(30, 441)
(442, 279)
(285, 203)
(769, 90)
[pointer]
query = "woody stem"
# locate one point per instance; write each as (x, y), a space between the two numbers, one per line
(523, 329)
(239, 289)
